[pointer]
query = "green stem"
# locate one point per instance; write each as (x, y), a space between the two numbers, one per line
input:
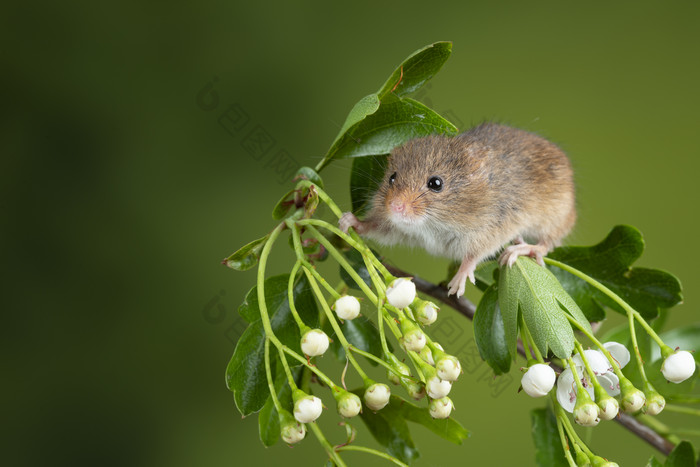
(351, 239)
(304, 362)
(267, 326)
(564, 443)
(570, 429)
(326, 445)
(590, 372)
(572, 366)
(684, 399)
(681, 409)
(309, 267)
(268, 373)
(633, 335)
(288, 372)
(290, 297)
(383, 455)
(686, 433)
(376, 359)
(323, 196)
(527, 336)
(615, 364)
(610, 294)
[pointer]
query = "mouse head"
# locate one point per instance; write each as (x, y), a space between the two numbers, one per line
(427, 180)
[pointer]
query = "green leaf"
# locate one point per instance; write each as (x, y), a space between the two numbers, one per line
(417, 69)
(683, 455)
(283, 205)
(653, 462)
(365, 178)
(390, 430)
(245, 373)
(535, 291)
(484, 274)
(354, 257)
(394, 123)
(610, 263)
(307, 173)
(489, 332)
(449, 429)
(361, 333)
(247, 256)
(268, 418)
(548, 449)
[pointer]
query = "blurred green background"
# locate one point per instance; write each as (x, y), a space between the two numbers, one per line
(120, 194)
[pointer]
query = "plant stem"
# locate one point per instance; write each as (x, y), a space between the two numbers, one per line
(633, 335)
(350, 239)
(564, 443)
(615, 364)
(384, 455)
(569, 427)
(268, 373)
(612, 295)
(572, 366)
(290, 297)
(323, 196)
(304, 362)
(376, 359)
(326, 445)
(681, 409)
(309, 267)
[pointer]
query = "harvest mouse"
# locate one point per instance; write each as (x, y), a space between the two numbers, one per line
(466, 196)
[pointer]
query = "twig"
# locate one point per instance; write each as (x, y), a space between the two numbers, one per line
(467, 308)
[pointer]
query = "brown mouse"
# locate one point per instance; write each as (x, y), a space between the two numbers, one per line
(465, 197)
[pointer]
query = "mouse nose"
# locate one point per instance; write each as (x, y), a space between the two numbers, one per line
(398, 206)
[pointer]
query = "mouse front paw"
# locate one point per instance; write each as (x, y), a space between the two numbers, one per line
(348, 220)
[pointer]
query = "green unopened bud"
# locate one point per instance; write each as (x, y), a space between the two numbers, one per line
(349, 404)
(585, 410)
(440, 408)
(426, 312)
(291, 430)
(414, 389)
(582, 459)
(426, 355)
(602, 462)
(632, 398)
(413, 338)
(401, 368)
(655, 402)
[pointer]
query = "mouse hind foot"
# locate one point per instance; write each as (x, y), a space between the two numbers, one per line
(459, 281)
(511, 253)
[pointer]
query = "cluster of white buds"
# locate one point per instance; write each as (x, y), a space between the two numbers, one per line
(426, 313)
(401, 292)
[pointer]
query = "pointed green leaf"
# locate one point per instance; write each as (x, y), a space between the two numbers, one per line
(417, 69)
(484, 274)
(449, 429)
(307, 173)
(535, 291)
(610, 262)
(683, 455)
(390, 430)
(548, 449)
(653, 462)
(245, 373)
(283, 205)
(365, 178)
(394, 123)
(489, 332)
(247, 256)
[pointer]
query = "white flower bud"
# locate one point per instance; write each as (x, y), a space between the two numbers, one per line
(538, 380)
(586, 412)
(415, 390)
(608, 408)
(440, 408)
(414, 340)
(449, 368)
(307, 409)
(347, 307)
(349, 405)
(314, 343)
(437, 388)
(427, 314)
(293, 432)
(655, 403)
(632, 400)
(678, 366)
(377, 396)
(401, 292)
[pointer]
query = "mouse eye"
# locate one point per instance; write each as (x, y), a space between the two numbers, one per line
(392, 179)
(435, 184)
